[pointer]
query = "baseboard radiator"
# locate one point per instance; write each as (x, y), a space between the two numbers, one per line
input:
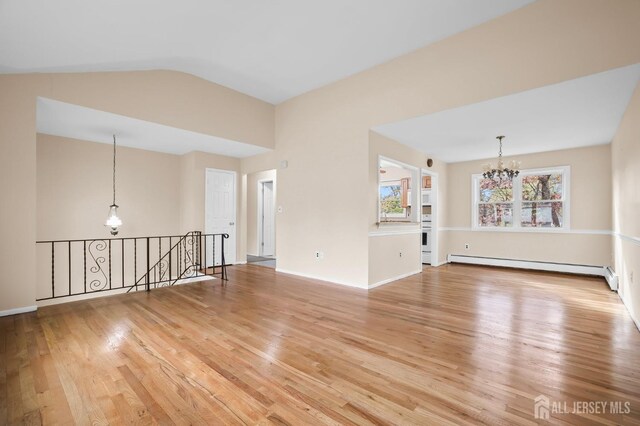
(601, 271)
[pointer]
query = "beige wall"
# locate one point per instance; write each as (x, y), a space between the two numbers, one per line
(393, 256)
(170, 98)
(385, 261)
(164, 97)
(252, 207)
(586, 243)
(18, 188)
(626, 205)
(544, 43)
(158, 194)
(74, 190)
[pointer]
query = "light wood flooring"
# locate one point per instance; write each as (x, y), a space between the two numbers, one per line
(453, 345)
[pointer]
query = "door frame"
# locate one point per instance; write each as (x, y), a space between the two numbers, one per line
(260, 191)
(434, 214)
(207, 170)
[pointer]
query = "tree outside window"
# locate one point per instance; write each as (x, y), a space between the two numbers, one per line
(542, 200)
(496, 203)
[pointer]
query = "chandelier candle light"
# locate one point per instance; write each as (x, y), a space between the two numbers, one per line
(501, 172)
(113, 221)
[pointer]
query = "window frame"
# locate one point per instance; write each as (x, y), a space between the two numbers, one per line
(413, 217)
(517, 202)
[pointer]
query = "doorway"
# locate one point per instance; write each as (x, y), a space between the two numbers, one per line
(266, 219)
(429, 217)
(220, 213)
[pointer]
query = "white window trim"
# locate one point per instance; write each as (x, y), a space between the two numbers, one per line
(517, 202)
(415, 195)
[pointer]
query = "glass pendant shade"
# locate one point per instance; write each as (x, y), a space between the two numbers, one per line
(113, 221)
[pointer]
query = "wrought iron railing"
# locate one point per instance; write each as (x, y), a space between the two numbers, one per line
(78, 267)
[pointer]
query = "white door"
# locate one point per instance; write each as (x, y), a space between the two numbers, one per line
(220, 215)
(268, 220)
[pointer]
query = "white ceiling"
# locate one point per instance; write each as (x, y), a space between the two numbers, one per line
(77, 122)
(272, 50)
(575, 113)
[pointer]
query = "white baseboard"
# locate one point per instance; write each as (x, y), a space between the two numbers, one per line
(600, 271)
(611, 277)
(396, 278)
(325, 279)
(16, 311)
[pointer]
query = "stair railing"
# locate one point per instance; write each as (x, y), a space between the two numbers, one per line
(68, 268)
(183, 254)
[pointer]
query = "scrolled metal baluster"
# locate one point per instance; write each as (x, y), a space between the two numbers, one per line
(97, 283)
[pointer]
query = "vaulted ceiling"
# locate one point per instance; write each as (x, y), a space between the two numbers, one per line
(272, 50)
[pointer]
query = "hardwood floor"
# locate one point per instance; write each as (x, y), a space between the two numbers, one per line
(453, 345)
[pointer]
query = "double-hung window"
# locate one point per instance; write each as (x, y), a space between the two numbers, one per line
(534, 200)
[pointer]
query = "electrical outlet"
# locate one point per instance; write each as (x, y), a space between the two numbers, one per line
(400, 254)
(466, 246)
(319, 255)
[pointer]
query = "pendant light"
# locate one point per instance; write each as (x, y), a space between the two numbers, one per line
(113, 221)
(500, 172)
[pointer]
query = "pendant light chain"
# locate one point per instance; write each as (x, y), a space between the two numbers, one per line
(114, 169)
(113, 221)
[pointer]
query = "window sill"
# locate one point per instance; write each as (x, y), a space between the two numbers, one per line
(534, 230)
(401, 223)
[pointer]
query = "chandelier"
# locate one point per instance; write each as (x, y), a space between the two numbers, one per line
(501, 172)
(113, 221)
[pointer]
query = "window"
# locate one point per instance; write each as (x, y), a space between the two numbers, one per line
(391, 195)
(495, 206)
(394, 191)
(536, 199)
